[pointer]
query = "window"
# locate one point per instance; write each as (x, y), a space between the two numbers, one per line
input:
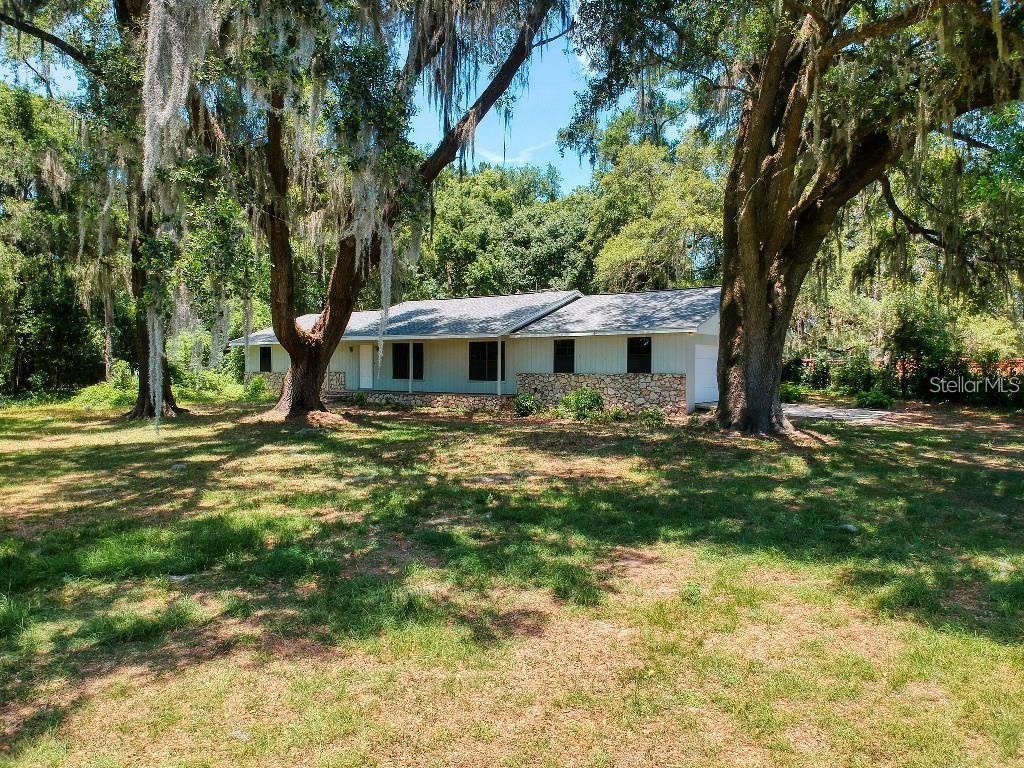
(265, 366)
(638, 354)
(483, 361)
(565, 356)
(400, 361)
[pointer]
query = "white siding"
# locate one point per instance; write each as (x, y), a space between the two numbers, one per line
(446, 361)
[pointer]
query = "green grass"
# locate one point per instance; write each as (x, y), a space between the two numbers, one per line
(396, 588)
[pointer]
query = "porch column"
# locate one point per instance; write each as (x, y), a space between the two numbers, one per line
(499, 366)
(410, 367)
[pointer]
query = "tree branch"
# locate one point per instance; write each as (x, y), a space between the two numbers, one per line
(808, 9)
(974, 143)
(546, 40)
(63, 46)
(463, 130)
(912, 15)
(912, 226)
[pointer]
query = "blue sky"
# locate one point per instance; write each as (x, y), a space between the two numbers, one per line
(543, 107)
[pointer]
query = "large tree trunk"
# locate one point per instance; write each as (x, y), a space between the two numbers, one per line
(301, 392)
(755, 317)
(309, 351)
(144, 400)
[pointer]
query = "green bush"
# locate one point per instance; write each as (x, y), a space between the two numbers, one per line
(817, 374)
(652, 417)
(526, 404)
(359, 398)
(107, 394)
(580, 403)
(255, 388)
(876, 397)
(792, 393)
(617, 413)
(206, 386)
(854, 374)
(121, 375)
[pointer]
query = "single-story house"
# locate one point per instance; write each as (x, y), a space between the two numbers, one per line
(650, 349)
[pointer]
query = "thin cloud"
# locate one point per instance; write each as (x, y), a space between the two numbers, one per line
(524, 155)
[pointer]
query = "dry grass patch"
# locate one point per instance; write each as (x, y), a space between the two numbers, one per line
(385, 588)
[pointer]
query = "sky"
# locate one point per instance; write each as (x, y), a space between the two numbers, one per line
(543, 107)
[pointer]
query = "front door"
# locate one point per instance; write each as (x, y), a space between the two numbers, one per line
(366, 366)
(706, 374)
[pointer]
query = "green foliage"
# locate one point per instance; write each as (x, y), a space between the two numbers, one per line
(105, 395)
(652, 417)
(14, 616)
(503, 230)
(256, 388)
(657, 218)
(876, 397)
(792, 393)
(854, 373)
(581, 403)
(359, 398)
(526, 404)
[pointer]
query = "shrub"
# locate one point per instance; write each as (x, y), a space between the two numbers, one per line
(526, 404)
(581, 402)
(792, 393)
(876, 397)
(617, 413)
(818, 373)
(121, 375)
(854, 374)
(119, 392)
(792, 369)
(652, 417)
(359, 398)
(255, 388)
(599, 417)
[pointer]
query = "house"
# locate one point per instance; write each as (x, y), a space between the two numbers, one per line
(650, 349)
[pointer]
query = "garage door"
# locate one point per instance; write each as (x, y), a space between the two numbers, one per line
(706, 374)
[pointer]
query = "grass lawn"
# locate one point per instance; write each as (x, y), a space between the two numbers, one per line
(413, 589)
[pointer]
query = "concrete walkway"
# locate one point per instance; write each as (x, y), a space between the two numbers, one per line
(834, 412)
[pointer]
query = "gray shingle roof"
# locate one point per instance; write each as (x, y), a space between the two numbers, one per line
(648, 312)
(477, 316)
(265, 336)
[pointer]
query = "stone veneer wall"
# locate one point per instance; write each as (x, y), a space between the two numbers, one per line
(630, 391)
(334, 381)
(455, 401)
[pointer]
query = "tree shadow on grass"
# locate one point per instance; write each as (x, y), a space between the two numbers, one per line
(339, 562)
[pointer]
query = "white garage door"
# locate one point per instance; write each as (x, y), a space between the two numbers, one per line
(706, 374)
